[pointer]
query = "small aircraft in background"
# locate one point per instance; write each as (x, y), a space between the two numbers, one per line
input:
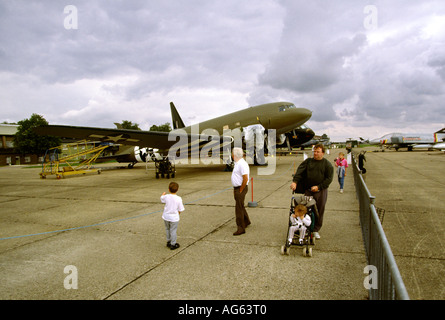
(323, 139)
(410, 140)
(154, 145)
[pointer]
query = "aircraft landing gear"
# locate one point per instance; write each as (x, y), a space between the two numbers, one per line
(229, 167)
(165, 168)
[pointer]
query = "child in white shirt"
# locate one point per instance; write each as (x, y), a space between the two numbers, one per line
(299, 221)
(173, 208)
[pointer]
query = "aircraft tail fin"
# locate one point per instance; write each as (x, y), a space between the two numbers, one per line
(176, 118)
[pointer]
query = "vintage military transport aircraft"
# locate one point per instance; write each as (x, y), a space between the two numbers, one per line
(187, 141)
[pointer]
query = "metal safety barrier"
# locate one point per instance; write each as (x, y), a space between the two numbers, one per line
(387, 283)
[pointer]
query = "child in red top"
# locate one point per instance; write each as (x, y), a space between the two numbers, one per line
(341, 164)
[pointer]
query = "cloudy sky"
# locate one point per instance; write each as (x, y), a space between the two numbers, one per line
(365, 68)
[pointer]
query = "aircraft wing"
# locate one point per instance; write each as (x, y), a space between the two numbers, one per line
(152, 139)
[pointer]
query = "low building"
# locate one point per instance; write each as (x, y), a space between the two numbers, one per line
(8, 156)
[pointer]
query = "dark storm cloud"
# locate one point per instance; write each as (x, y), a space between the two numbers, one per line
(111, 36)
(391, 75)
(134, 51)
(313, 49)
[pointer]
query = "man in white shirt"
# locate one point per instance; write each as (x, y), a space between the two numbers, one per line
(240, 180)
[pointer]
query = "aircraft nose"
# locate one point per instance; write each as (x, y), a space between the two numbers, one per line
(285, 119)
(289, 121)
(298, 117)
(304, 114)
(307, 114)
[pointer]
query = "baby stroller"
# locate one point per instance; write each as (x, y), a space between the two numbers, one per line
(309, 239)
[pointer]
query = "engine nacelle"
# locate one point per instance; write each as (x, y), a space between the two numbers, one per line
(140, 154)
(146, 154)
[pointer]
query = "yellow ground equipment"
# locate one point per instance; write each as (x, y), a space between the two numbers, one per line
(72, 158)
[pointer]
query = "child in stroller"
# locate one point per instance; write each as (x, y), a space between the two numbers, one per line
(302, 216)
(299, 221)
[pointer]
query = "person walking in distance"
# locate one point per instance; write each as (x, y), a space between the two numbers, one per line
(341, 164)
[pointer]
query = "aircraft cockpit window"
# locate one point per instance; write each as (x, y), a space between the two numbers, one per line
(284, 108)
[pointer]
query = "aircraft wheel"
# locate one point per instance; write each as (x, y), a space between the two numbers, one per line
(304, 252)
(310, 252)
(157, 175)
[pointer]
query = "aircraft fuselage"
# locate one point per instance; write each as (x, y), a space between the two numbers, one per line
(281, 116)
